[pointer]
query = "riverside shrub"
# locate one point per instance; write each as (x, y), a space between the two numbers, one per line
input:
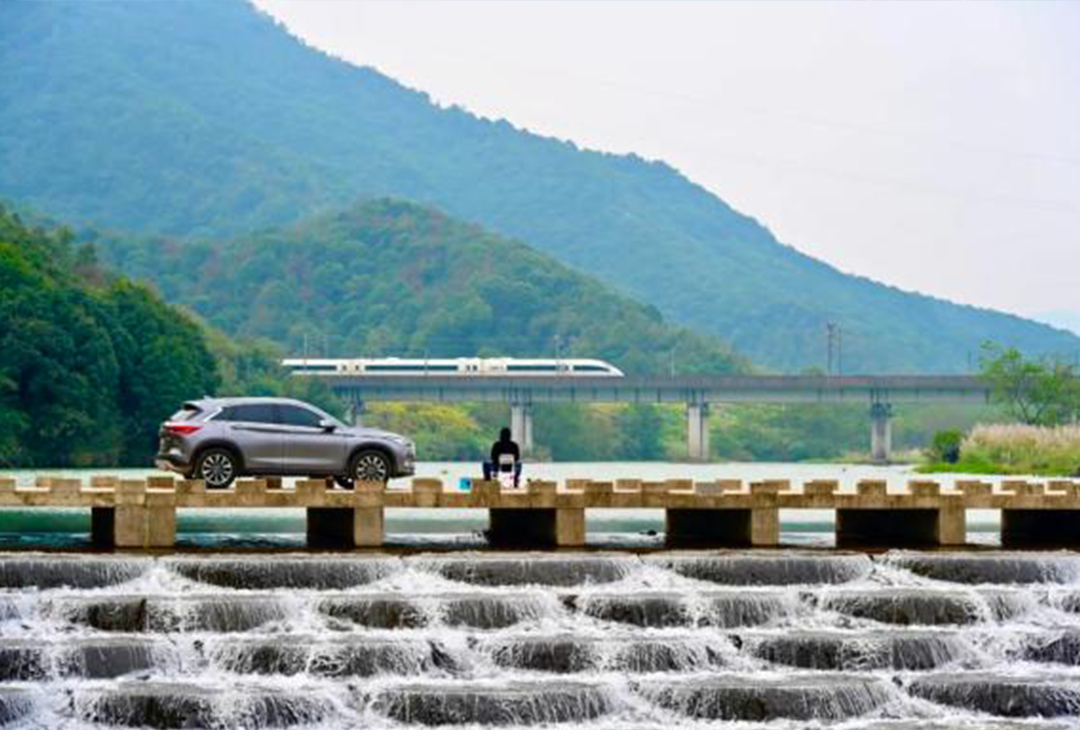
(946, 446)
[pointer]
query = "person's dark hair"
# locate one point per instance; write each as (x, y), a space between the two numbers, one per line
(504, 435)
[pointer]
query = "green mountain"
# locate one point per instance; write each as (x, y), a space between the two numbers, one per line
(385, 277)
(205, 117)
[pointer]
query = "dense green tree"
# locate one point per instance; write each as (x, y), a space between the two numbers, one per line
(164, 361)
(641, 427)
(570, 432)
(88, 368)
(1040, 392)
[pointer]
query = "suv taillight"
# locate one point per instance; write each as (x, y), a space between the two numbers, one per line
(181, 429)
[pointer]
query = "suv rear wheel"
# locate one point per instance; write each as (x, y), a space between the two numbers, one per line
(370, 465)
(217, 467)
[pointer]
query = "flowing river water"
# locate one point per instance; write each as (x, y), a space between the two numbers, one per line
(604, 639)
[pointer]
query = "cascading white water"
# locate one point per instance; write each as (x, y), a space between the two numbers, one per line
(791, 639)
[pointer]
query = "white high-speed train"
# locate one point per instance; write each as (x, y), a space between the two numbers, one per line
(473, 366)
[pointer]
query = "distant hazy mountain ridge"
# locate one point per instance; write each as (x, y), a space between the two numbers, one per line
(207, 118)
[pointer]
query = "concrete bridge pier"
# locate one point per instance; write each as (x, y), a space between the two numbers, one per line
(345, 527)
(140, 518)
(354, 415)
(358, 522)
(521, 426)
(133, 526)
(1039, 528)
(697, 431)
(889, 527)
(881, 432)
(558, 527)
(755, 527)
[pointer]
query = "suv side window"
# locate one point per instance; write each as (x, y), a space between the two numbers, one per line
(250, 413)
(296, 416)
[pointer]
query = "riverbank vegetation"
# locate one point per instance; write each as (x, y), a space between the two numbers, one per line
(1041, 391)
(1040, 400)
(1016, 449)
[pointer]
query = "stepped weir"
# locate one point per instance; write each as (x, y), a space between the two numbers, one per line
(141, 513)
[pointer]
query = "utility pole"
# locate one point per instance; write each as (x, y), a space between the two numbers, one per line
(834, 345)
(830, 341)
(558, 369)
(839, 350)
(672, 361)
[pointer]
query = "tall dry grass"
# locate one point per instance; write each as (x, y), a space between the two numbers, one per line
(1019, 449)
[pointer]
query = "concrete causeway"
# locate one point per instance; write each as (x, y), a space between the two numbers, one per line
(141, 513)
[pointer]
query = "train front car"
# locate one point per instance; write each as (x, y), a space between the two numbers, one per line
(547, 367)
(598, 368)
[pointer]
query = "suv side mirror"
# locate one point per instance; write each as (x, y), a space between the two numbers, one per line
(327, 425)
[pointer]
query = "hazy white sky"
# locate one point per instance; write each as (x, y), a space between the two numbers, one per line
(934, 146)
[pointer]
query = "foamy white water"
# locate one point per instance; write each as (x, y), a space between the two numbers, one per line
(786, 639)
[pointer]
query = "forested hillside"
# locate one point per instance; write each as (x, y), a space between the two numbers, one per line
(385, 277)
(90, 364)
(206, 118)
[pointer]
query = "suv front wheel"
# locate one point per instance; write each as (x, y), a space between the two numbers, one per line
(217, 467)
(370, 466)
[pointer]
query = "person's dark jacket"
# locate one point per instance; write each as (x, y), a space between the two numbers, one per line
(501, 447)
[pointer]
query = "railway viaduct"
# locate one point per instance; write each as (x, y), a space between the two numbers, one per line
(699, 394)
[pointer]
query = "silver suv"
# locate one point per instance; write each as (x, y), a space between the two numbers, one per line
(219, 439)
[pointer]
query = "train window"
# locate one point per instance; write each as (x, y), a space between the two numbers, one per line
(418, 368)
(532, 368)
(590, 369)
(315, 368)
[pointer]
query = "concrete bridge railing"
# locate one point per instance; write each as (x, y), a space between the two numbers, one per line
(725, 513)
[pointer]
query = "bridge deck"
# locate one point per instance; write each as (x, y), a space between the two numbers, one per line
(142, 513)
(574, 493)
(657, 389)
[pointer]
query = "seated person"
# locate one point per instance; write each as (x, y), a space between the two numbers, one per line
(504, 447)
